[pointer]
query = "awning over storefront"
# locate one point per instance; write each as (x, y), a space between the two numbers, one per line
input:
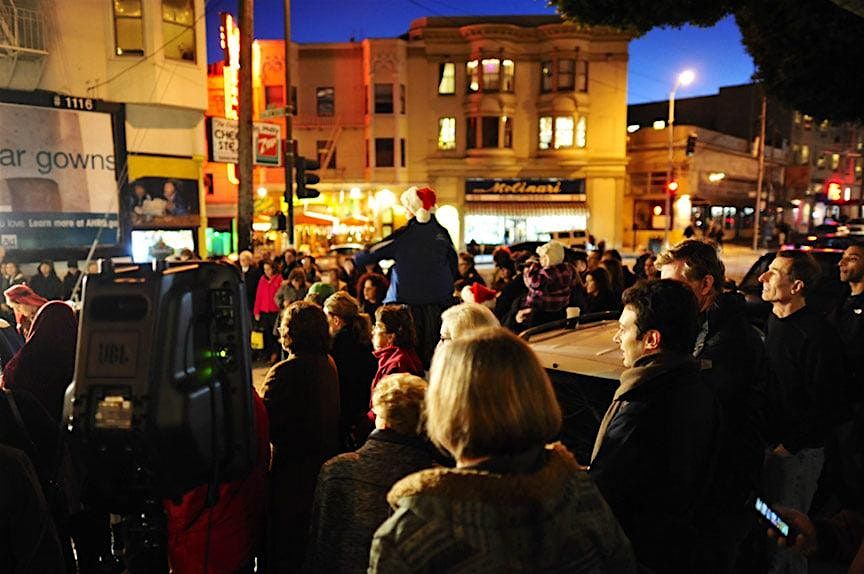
(526, 208)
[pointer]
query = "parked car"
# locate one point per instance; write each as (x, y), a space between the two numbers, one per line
(574, 238)
(855, 226)
(585, 366)
(827, 293)
(829, 240)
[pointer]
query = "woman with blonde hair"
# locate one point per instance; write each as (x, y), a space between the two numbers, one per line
(351, 497)
(352, 352)
(512, 503)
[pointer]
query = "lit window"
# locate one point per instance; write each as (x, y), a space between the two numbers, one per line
(447, 133)
(273, 97)
(808, 121)
(823, 126)
(563, 132)
(805, 154)
(507, 75)
(820, 162)
(128, 28)
(447, 78)
(835, 160)
(178, 29)
(472, 69)
(491, 74)
(796, 117)
(383, 98)
(546, 132)
(582, 132)
(326, 101)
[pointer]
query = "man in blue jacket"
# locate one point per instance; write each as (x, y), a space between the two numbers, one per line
(425, 266)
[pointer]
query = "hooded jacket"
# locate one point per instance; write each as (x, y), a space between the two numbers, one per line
(467, 520)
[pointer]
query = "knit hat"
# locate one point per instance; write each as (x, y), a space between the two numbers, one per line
(321, 291)
(554, 251)
(24, 295)
(419, 201)
(477, 293)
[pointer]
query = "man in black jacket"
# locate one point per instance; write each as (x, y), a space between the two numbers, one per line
(807, 397)
(734, 363)
(656, 448)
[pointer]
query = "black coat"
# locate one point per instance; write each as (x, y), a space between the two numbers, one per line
(734, 363)
(657, 455)
(251, 277)
(49, 287)
(357, 367)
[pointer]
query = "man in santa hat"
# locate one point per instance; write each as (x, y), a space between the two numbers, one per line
(425, 266)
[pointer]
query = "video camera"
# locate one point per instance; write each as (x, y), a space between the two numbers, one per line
(162, 395)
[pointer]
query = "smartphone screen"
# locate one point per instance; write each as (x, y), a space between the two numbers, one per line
(772, 517)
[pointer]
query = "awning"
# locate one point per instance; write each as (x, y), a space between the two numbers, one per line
(526, 208)
(312, 218)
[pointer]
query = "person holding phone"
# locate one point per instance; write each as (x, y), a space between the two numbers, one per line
(838, 539)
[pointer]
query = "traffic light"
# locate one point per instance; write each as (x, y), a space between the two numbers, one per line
(672, 187)
(304, 177)
(691, 144)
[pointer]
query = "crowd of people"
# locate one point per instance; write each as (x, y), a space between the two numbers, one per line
(405, 426)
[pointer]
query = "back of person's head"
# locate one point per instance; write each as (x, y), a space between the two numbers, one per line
(346, 307)
(667, 306)
(466, 258)
(72, 264)
(501, 255)
(616, 274)
(465, 318)
(804, 268)
(319, 291)
(613, 254)
(305, 327)
(488, 395)
(398, 321)
(297, 274)
(554, 251)
(700, 259)
(398, 400)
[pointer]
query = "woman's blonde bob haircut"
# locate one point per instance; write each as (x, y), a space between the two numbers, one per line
(488, 395)
(465, 318)
(398, 400)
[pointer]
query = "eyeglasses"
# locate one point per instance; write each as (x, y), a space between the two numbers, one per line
(445, 339)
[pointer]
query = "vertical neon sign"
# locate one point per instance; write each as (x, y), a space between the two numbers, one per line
(229, 39)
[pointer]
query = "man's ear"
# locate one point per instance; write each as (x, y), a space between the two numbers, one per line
(797, 287)
(652, 340)
(706, 285)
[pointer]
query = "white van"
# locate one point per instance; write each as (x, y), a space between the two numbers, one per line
(573, 238)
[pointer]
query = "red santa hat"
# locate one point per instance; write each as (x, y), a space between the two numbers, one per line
(419, 201)
(477, 293)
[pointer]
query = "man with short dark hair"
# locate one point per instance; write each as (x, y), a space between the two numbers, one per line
(849, 317)
(656, 448)
(807, 397)
(733, 362)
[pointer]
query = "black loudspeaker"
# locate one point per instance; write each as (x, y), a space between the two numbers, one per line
(162, 396)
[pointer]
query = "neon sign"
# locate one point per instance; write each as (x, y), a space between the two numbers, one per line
(229, 39)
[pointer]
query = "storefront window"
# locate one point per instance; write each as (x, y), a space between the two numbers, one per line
(447, 133)
(178, 29)
(128, 28)
(447, 78)
(546, 132)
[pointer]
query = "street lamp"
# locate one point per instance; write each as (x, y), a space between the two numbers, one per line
(684, 79)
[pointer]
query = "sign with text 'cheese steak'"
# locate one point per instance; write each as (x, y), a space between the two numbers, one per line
(524, 186)
(223, 140)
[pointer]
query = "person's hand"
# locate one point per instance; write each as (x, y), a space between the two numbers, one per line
(257, 317)
(806, 541)
(522, 315)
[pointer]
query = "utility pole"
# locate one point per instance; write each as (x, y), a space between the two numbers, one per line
(245, 205)
(760, 176)
(289, 135)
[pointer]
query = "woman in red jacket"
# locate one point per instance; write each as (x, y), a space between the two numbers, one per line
(266, 311)
(394, 340)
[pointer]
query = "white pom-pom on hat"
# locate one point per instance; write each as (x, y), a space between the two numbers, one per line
(419, 201)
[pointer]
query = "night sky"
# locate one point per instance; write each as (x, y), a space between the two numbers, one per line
(715, 54)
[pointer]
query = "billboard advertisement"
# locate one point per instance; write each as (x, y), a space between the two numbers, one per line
(58, 175)
(163, 193)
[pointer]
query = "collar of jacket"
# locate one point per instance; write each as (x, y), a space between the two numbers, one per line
(484, 487)
(387, 353)
(391, 436)
(648, 368)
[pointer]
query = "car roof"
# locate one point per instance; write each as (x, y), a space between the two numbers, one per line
(587, 350)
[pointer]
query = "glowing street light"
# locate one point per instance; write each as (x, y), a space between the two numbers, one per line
(685, 78)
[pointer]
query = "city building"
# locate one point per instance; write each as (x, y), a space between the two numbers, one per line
(516, 121)
(713, 180)
(92, 97)
(821, 178)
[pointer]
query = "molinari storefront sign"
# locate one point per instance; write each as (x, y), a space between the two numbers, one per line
(520, 187)
(59, 168)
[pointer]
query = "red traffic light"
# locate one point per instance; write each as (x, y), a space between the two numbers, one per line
(672, 187)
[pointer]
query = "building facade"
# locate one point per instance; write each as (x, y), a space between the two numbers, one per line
(821, 179)
(516, 122)
(113, 92)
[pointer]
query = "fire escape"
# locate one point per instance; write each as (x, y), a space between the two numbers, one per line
(23, 43)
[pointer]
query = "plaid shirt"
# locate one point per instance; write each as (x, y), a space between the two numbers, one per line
(549, 287)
